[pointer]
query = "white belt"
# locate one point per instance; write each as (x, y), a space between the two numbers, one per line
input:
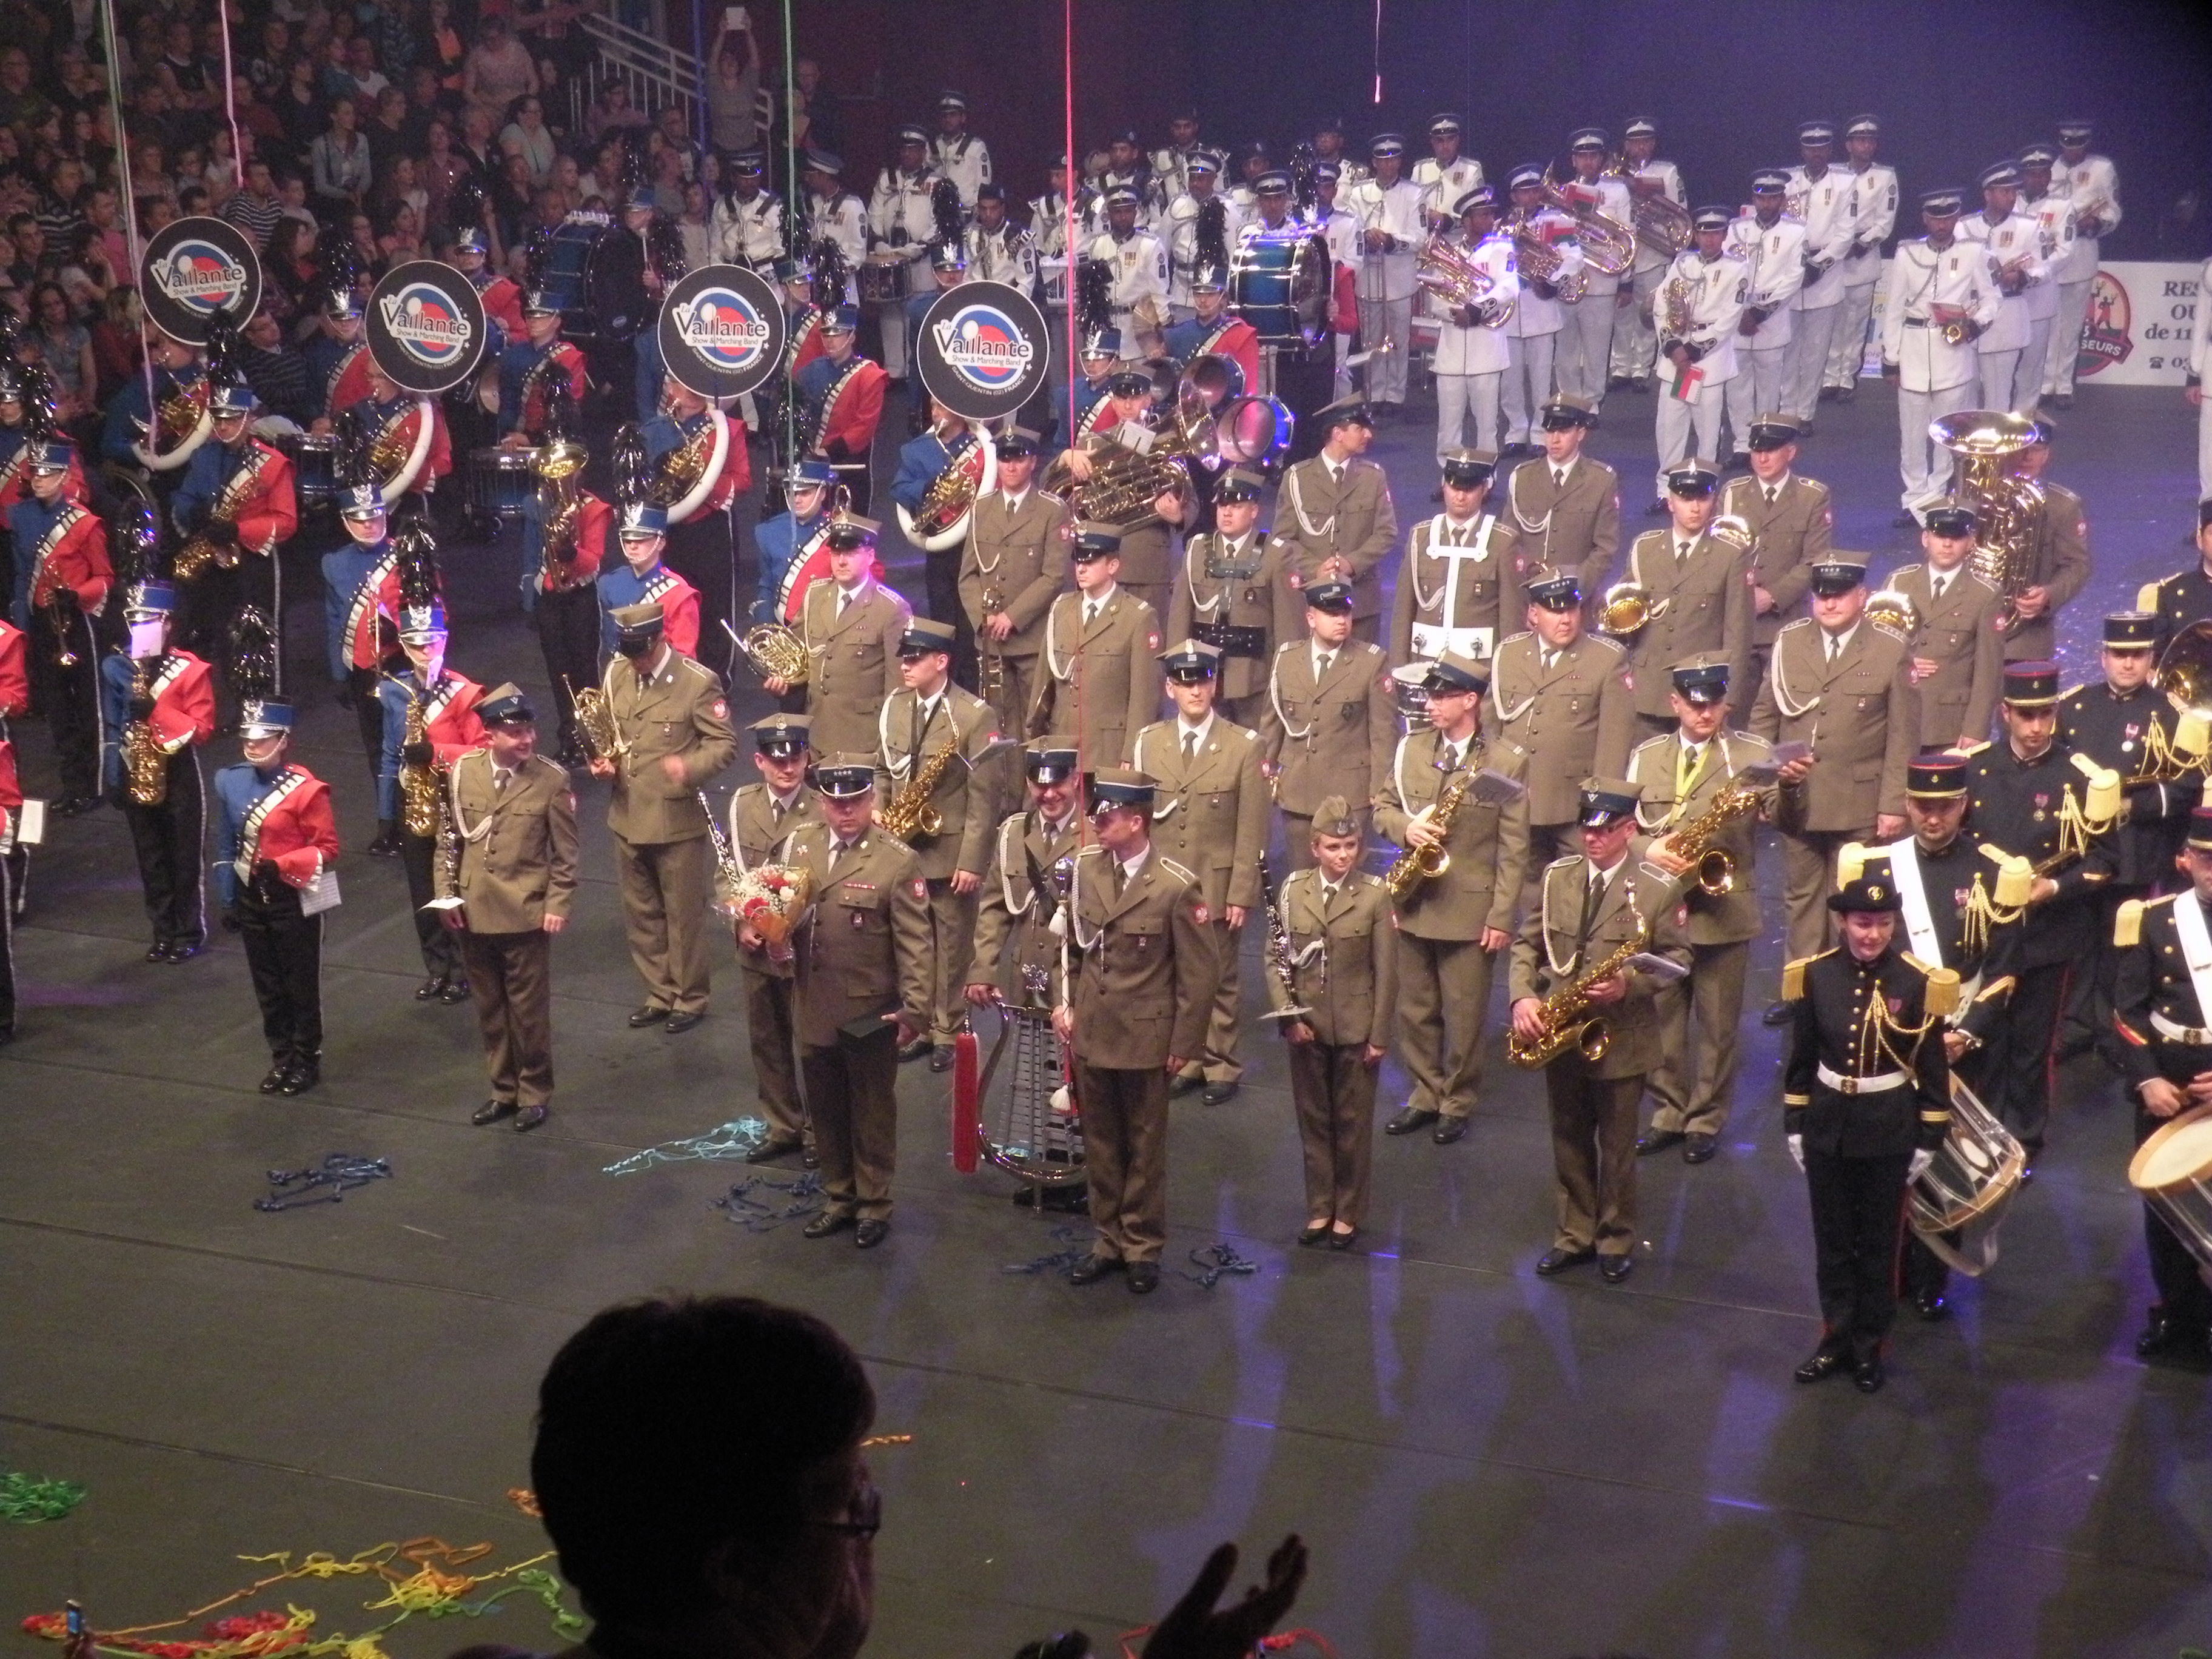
(1860, 1086)
(1430, 640)
(2189, 1033)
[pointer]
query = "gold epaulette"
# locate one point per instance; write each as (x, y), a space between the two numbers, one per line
(2147, 596)
(2127, 926)
(1850, 863)
(1793, 976)
(1941, 998)
(1967, 751)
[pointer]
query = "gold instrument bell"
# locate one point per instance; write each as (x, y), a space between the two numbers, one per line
(1890, 608)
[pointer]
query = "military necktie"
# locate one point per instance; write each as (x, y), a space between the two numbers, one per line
(1189, 746)
(1773, 494)
(1321, 662)
(1835, 647)
(1689, 761)
(1558, 478)
(1939, 583)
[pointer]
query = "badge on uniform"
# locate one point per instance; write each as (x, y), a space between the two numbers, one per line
(1896, 1006)
(1201, 913)
(921, 888)
(721, 708)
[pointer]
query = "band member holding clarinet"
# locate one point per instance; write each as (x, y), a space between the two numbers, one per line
(158, 710)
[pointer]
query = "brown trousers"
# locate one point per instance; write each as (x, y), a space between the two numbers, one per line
(1808, 872)
(511, 983)
(953, 946)
(1695, 1084)
(852, 1101)
(1594, 1155)
(1333, 1091)
(774, 1035)
(1547, 844)
(1220, 1064)
(1012, 705)
(665, 889)
(1125, 1157)
(1443, 997)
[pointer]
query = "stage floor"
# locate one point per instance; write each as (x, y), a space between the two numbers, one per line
(1484, 1463)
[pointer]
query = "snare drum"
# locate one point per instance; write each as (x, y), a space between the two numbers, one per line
(500, 480)
(884, 281)
(315, 463)
(2173, 1171)
(1408, 681)
(1960, 1200)
(1280, 283)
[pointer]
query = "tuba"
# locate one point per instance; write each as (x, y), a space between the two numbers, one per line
(1124, 481)
(1539, 261)
(1661, 224)
(595, 721)
(971, 470)
(1608, 246)
(555, 465)
(1444, 268)
(2007, 508)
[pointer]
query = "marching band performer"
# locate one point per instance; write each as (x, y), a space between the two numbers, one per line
(14, 857)
(1698, 312)
(2018, 266)
(1443, 175)
(338, 357)
(514, 877)
(1473, 352)
(852, 625)
(1594, 905)
(361, 609)
(1335, 988)
(700, 468)
(1230, 594)
(2092, 185)
(633, 262)
(2053, 213)
(62, 581)
(407, 426)
(1680, 776)
(1048, 225)
(1565, 503)
(1791, 518)
(747, 226)
(1873, 186)
(444, 704)
(238, 498)
(176, 708)
(1328, 151)
(134, 435)
(1958, 653)
(958, 153)
(1697, 590)
(1938, 285)
(1333, 516)
(1451, 927)
(802, 314)
(1458, 586)
(642, 536)
(2177, 600)
(923, 460)
(1210, 331)
(501, 297)
(1388, 208)
(1199, 223)
(1138, 263)
(1012, 566)
(948, 269)
(1773, 246)
(1134, 1017)
(1125, 165)
(1586, 342)
(1532, 332)
(762, 816)
(997, 249)
(1821, 199)
(1125, 423)
(1099, 673)
(841, 400)
(1340, 231)
(1172, 166)
(793, 543)
(832, 215)
(927, 715)
(899, 231)
(525, 397)
(2058, 564)
(1634, 343)
(1331, 719)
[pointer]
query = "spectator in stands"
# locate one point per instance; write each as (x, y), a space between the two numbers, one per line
(275, 370)
(568, 182)
(606, 174)
(669, 124)
(360, 64)
(150, 120)
(194, 201)
(292, 191)
(220, 172)
(117, 340)
(478, 148)
(30, 244)
(525, 135)
(497, 70)
(512, 200)
(390, 134)
(60, 206)
(288, 268)
(444, 38)
(66, 344)
(733, 89)
(612, 111)
(340, 160)
(402, 237)
(333, 75)
(272, 59)
(184, 78)
(366, 252)
(442, 167)
(22, 104)
(86, 274)
(698, 234)
(255, 209)
(668, 185)
(300, 107)
(256, 114)
(103, 214)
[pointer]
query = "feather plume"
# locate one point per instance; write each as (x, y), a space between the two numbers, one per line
(830, 274)
(134, 538)
(40, 422)
(1210, 234)
(341, 266)
(351, 428)
(464, 206)
(664, 245)
(633, 470)
(944, 212)
(1094, 296)
(420, 581)
(252, 656)
(537, 258)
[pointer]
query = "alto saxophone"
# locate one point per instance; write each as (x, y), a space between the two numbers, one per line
(420, 798)
(145, 762)
(1419, 864)
(1564, 1011)
(909, 813)
(198, 554)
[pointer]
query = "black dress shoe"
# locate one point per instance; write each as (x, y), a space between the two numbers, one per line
(1338, 1241)
(274, 1080)
(1825, 1364)
(300, 1079)
(1844, 393)
(1092, 1268)
(1930, 1304)
(1557, 1261)
(1777, 1013)
(1185, 1085)
(1411, 1121)
(1450, 1129)
(383, 846)
(158, 951)
(2168, 1339)
(646, 1016)
(941, 1057)
(2061, 401)
(1144, 1278)
(1867, 1375)
(1828, 393)
(679, 1024)
(871, 1233)
(1315, 1231)
(184, 950)
(1217, 1094)
(769, 1151)
(827, 1222)
(491, 1111)
(1615, 1269)
(917, 1049)
(1697, 1148)
(528, 1119)
(456, 992)
(809, 1158)
(1657, 1140)
(431, 989)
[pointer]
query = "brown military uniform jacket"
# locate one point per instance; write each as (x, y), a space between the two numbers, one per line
(1344, 972)
(1488, 845)
(679, 711)
(2059, 561)
(1209, 812)
(1577, 528)
(966, 799)
(1960, 637)
(518, 844)
(755, 833)
(1318, 516)
(1486, 596)
(1574, 720)
(863, 949)
(852, 663)
(1790, 534)
(1726, 918)
(1701, 602)
(1861, 713)
(1549, 954)
(1015, 561)
(1199, 603)
(1333, 738)
(1147, 972)
(1115, 659)
(1010, 908)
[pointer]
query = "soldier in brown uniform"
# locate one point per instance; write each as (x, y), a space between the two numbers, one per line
(674, 734)
(1341, 977)
(1231, 594)
(2058, 565)
(1679, 778)
(1143, 992)
(1012, 910)
(851, 625)
(1842, 686)
(762, 816)
(1792, 521)
(927, 715)
(862, 963)
(1694, 583)
(1100, 678)
(514, 822)
(1459, 588)
(1593, 903)
(1334, 520)
(1332, 720)
(1560, 693)
(1144, 562)
(1958, 649)
(1451, 926)
(1013, 567)
(1566, 504)
(1209, 815)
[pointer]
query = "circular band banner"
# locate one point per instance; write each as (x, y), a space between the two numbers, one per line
(984, 351)
(193, 270)
(425, 326)
(721, 331)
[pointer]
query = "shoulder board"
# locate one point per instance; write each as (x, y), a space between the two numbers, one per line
(1514, 639)
(2127, 925)
(1890, 581)
(1608, 642)
(1983, 581)
(1792, 627)
(1888, 632)
(1251, 735)
(1655, 536)
(1177, 870)
(1971, 748)
(1560, 864)
(697, 667)
(2072, 692)
(1367, 880)
(1649, 743)
(1159, 726)
(1053, 496)
(1288, 646)
(1092, 851)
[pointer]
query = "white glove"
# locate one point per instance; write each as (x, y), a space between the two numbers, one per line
(1797, 1152)
(1921, 1157)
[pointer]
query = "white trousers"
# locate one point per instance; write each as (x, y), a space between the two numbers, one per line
(1761, 382)
(1847, 352)
(1812, 339)
(1527, 382)
(1998, 369)
(2204, 449)
(1585, 352)
(1678, 419)
(1635, 346)
(1390, 319)
(1341, 386)
(1459, 396)
(2027, 373)
(1924, 464)
(2066, 338)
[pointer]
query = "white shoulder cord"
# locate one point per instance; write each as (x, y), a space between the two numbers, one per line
(1784, 700)
(1007, 867)
(1506, 715)
(1275, 696)
(1559, 970)
(1325, 530)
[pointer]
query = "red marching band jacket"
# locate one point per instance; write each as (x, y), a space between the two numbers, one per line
(423, 460)
(502, 303)
(16, 481)
(14, 700)
(375, 602)
(679, 609)
(296, 832)
(350, 383)
(73, 556)
(451, 725)
(1239, 341)
(855, 404)
(571, 365)
(805, 339)
(270, 514)
(184, 701)
(733, 477)
(594, 518)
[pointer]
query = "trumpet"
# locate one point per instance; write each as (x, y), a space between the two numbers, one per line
(1628, 608)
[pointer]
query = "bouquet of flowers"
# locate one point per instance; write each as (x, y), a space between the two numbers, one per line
(771, 897)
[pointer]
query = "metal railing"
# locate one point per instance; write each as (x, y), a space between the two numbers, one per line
(655, 73)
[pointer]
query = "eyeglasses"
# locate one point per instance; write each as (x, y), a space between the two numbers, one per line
(864, 1515)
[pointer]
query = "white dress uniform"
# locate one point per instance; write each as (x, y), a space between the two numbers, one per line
(1935, 377)
(2053, 213)
(2094, 185)
(965, 160)
(1342, 232)
(1873, 217)
(900, 225)
(1471, 363)
(748, 233)
(1007, 255)
(2016, 240)
(1774, 273)
(2200, 370)
(1532, 335)
(1171, 167)
(1634, 343)
(1442, 186)
(1825, 206)
(1715, 291)
(1179, 225)
(1386, 280)
(843, 218)
(1585, 353)
(1140, 273)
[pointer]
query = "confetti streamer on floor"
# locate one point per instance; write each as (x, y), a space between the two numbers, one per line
(757, 1215)
(1217, 1262)
(736, 1138)
(327, 1182)
(28, 1498)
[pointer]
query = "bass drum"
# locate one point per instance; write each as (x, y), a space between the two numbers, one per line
(1280, 284)
(1253, 431)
